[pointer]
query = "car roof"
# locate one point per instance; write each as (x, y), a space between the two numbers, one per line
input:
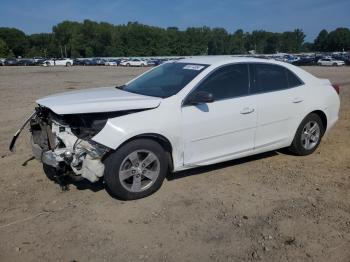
(219, 60)
(216, 61)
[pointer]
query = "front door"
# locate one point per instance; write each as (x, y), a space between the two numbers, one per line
(224, 128)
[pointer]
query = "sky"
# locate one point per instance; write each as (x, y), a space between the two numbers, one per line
(37, 16)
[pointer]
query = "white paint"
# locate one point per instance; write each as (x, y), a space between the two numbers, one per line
(208, 133)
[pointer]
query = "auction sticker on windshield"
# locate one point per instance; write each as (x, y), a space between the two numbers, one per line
(193, 67)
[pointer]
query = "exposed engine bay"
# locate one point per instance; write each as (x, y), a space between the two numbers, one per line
(64, 141)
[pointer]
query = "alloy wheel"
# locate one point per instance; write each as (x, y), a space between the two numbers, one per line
(139, 170)
(310, 135)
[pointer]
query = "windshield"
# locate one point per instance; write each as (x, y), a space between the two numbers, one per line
(165, 80)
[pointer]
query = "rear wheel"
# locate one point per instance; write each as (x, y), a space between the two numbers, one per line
(68, 64)
(335, 64)
(136, 170)
(308, 135)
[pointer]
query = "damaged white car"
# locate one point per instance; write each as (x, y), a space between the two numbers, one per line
(180, 115)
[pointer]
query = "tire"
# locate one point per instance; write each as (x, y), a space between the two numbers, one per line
(127, 64)
(299, 145)
(68, 64)
(134, 184)
(335, 64)
(51, 172)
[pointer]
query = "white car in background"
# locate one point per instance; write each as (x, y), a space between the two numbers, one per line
(330, 62)
(180, 115)
(58, 62)
(133, 62)
(111, 63)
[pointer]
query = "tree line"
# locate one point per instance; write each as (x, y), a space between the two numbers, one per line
(92, 39)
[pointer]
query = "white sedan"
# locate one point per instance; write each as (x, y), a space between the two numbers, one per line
(181, 115)
(133, 62)
(330, 62)
(111, 63)
(58, 62)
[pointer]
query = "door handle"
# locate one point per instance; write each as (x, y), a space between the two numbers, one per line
(297, 100)
(247, 110)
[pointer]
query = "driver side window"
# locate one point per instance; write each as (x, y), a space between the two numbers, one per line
(227, 82)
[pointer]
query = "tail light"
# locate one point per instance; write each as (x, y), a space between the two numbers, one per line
(336, 88)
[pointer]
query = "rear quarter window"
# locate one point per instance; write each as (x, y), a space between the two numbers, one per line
(293, 80)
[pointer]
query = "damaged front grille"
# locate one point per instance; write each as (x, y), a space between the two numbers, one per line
(56, 144)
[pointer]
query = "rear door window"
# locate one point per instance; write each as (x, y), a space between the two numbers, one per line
(268, 78)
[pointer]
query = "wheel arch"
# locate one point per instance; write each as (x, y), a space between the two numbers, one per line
(318, 112)
(162, 140)
(323, 117)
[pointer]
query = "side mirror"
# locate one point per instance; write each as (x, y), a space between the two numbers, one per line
(200, 97)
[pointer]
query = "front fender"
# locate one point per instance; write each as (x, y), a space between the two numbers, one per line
(160, 122)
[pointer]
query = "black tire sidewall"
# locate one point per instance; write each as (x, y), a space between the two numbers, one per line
(297, 146)
(51, 172)
(114, 160)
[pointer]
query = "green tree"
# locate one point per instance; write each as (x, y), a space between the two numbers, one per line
(15, 40)
(320, 43)
(339, 40)
(3, 48)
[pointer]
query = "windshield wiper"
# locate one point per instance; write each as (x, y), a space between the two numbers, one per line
(120, 87)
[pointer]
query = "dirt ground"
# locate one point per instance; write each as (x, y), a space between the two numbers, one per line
(271, 207)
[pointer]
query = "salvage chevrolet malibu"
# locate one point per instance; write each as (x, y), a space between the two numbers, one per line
(180, 115)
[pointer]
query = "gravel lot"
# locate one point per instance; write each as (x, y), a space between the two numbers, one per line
(270, 207)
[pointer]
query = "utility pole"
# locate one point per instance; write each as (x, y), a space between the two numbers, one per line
(61, 52)
(65, 51)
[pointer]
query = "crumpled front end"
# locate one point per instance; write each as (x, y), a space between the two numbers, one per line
(64, 143)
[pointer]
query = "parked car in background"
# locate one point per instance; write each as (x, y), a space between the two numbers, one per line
(83, 62)
(330, 62)
(26, 62)
(112, 62)
(133, 62)
(154, 62)
(11, 62)
(98, 62)
(58, 62)
(343, 57)
(305, 61)
(203, 111)
(39, 61)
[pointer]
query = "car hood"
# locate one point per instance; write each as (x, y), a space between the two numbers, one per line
(97, 100)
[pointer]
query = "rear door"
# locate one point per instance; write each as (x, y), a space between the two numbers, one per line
(280, 102)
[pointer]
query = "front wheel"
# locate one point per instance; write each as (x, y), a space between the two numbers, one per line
(68, 64)
(136, 170)
(308, 135)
